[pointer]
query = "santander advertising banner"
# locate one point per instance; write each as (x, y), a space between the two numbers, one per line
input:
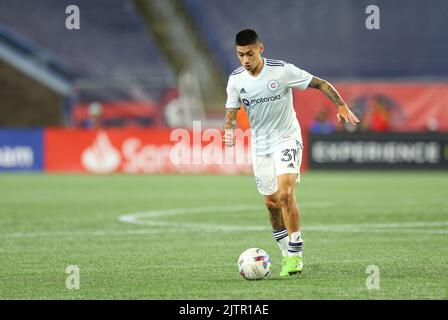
(143, 151)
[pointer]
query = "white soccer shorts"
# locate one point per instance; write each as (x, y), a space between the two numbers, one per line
(287, 158)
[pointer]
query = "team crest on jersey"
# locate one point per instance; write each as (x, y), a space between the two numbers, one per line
(273, 85)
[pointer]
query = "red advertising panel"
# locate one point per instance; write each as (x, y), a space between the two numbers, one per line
(143, 151)
(382, 107)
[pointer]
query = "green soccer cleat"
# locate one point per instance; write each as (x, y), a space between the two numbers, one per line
(291, 265)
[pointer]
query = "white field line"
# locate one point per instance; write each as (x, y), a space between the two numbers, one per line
(152, 218)
(172, 229)
(78, 233)
(148, 218)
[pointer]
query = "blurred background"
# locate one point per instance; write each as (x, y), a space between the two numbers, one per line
(106, 96)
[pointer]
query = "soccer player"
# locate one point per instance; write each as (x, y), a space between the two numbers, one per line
(264, 87)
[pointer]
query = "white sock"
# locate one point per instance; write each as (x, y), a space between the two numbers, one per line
(281, 237)
(296, 236)
(295, 244)
(283, 245)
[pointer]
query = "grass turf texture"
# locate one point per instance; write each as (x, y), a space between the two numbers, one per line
(48, 222)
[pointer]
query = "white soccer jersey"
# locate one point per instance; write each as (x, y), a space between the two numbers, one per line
(268, 101)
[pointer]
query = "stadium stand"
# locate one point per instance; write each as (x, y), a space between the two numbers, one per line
(111, 56)
(111, 42)
(330, 39)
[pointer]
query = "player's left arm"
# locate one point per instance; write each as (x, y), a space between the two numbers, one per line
(332, 94)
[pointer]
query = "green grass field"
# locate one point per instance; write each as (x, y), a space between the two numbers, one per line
(397, 221)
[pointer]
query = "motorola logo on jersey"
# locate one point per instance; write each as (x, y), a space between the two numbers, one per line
(260, 100)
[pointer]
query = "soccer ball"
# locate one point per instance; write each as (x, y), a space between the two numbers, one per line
(254, 264)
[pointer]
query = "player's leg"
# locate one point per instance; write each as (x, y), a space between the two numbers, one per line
(266, 180)
(291, 212)
(293, 263)
(279, 231)
(288, 161)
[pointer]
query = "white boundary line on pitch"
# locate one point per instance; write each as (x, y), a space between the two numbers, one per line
(79, 233)
(316, 228)
(136, 218)
(149, 218)
(165, 226)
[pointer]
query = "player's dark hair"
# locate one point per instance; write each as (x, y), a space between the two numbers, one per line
(246, 37)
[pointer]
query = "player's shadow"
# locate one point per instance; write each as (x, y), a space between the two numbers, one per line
(309, 271)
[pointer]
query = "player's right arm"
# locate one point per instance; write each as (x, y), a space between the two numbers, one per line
(230, 119)
(229, 126)
(232, 106)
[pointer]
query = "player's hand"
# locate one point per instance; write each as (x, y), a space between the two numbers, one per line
(228, 138)
(345, 113)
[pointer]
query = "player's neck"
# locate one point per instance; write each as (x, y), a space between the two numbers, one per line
(258, 69)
